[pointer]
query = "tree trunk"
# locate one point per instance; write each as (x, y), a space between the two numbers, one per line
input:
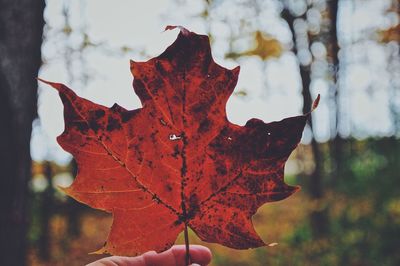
(21, 28)
(333, 47)
(318, 218)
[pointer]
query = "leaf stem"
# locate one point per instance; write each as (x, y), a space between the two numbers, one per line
(187, 258)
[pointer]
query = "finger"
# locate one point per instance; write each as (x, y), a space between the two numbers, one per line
(172, 257)
(119, 261)
(176, 256)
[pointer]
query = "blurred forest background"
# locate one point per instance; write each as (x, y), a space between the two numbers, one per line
(348, 164)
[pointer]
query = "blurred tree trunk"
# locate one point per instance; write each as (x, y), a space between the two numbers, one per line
(21, 28)
(333, 49)
(318, 217)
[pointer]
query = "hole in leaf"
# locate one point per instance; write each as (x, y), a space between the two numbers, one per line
(174, 137)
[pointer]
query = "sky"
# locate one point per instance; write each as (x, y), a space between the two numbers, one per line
(101, 73)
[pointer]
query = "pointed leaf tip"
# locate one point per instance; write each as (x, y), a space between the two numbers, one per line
(63, 189)
(131, 64)
(170, 27)
(42, 80)
(315, 103)
(236, 70)
(99, 252)
(183, 30)
(55, 85)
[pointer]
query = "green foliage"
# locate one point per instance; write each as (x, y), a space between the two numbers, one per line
(364, 210)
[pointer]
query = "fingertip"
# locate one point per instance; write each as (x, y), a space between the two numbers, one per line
(198, 254)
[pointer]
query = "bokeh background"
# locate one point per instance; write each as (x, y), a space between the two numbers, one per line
(348, 163)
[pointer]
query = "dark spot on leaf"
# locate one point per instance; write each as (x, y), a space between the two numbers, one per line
(176, 99)
(198, 108)
(176, 152)
(99, 113)
(113, 124)
(155, 85)
(127, 115)
(153, 136)
(140, 90)
(221, 168)
(82, 127)
(95, 125)
(160, 68)
(204, 126)
(168, 187)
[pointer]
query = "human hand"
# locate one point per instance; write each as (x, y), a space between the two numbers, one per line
(173, 257)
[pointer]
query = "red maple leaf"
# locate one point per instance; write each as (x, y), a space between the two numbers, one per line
(176, 162)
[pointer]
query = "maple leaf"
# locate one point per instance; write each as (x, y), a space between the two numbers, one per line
(176, 162)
